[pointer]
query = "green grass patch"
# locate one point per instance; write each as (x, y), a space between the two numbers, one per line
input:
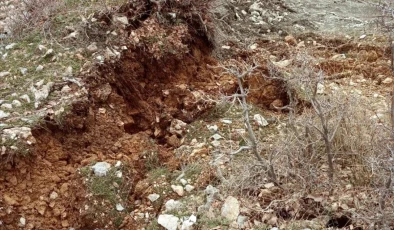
(192, 171)
(209, 223)
(157, 173)
(108, 191)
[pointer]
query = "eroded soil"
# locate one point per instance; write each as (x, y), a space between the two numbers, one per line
(133, 101)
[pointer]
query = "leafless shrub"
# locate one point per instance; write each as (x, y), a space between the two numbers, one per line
(43, 15)
(32, 14)
(324, 127)
(241, 70)
(385, 21)
(338, 128)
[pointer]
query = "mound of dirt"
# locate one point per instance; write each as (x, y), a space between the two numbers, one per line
(131, 102)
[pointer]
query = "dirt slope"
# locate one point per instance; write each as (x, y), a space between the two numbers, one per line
(132, 103)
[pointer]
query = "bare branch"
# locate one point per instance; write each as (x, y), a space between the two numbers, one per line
(242, 148)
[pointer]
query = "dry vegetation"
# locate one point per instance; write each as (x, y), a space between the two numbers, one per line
(330, 154)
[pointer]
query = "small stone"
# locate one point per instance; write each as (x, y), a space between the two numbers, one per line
(169, 222)
(14, 148)
(172, 205)
(19, 132)
(42, 93)
(66, 89)
(16, 103)
(69, 28)
(39, 68)
(101, 168)
(42, 48)
(8, 200)
(5, 73)
(260, 120)
(215, 143)
(22, 221)
(183, 181)
(100, 58)
(338, 57)
(273, 221)
(377, 116)
(153, 197)
(68, 72)
(25, 97)
(230, 209)
(216, 137)
(269, 185)
(188, 223)
(53, 195)
(59, 111)
(241, 221)
(178, 127)
(39, 83)
(253, 46)
(256, 6)
(282, 64)
(23, 70)
(363, 36)
(119, 208)
(65, 223)
(6, 106)
(119, 174)
(92, 48)
(72, 35)
(49, 53)
(109, 53)
(334, 86)
(212, 128)
(289, 39)
(320, 88)
(118, 164)
(122, 19)
(193, 143)
(189, 188)
(3, 114)
(172, 15)
(387, 81)
(178, 189)
(301, 44)
(41, 209)
(10, 46)
(225, 121)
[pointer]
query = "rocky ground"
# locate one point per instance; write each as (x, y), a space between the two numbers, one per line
(116, 117)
